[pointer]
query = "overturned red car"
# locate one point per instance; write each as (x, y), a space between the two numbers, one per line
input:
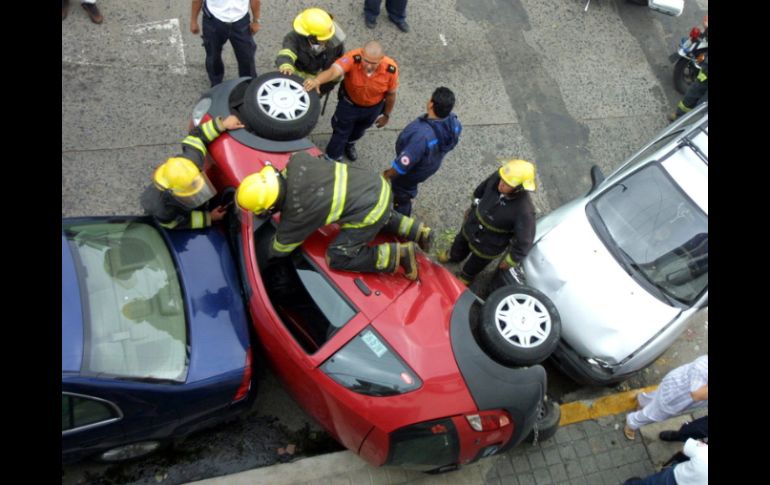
(391, 368)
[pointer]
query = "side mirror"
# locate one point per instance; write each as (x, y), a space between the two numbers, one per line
(597, 177)
(668, 7)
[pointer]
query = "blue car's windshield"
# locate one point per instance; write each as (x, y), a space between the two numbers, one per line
(660, 231)
(133, 309)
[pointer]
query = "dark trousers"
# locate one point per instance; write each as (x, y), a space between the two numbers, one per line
(402, 202)
(460, 250)
(396, 9)
(215, 34)
(697, 93)
(350, 250)
(663, 477)
(697, 429)
(349, 124)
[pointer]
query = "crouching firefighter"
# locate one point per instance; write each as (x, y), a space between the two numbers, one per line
(311, 193)
(502, 217)
(180, 193)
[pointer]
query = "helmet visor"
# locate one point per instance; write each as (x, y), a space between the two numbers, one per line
(198, 193)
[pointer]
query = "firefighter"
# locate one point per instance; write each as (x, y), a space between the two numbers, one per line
(179, 195)
(697, 93)
(313, 45)
(501, 217)
(311, 193)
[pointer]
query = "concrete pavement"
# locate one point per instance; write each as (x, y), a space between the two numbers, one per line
(590, 450)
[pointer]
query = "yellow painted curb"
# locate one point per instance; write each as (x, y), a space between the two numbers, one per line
(575, 412)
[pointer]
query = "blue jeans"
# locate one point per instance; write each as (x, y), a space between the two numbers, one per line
(396, 9)
(215, 34)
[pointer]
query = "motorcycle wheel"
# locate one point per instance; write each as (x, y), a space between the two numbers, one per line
(684, 74)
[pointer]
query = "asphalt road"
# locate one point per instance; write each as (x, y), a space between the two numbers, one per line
(535, 79)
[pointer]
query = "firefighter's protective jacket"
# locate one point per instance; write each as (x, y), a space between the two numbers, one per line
(297, 54)
(319, 192)
(162, 205)
(498, 221)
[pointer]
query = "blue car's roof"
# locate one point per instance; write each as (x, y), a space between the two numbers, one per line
(71, 313)
(218, 325)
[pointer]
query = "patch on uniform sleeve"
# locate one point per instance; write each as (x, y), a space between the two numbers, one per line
(405, 161)
(357, 59)
(344, 60)
(391, 68)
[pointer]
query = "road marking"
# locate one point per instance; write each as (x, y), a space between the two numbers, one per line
(174, 39)
(443, 39)
(575, 412)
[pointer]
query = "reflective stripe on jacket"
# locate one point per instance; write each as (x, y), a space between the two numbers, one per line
(319, 192)
(500, 221)
(297, 54)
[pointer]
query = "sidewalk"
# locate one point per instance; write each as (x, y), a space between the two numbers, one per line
(590, 451)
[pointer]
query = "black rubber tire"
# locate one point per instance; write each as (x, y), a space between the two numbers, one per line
(278, 128)
(505, 352)
(683, 77)
(547, 423)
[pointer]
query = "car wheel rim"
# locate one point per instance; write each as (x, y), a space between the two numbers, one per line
(523, 321)
(283, 99)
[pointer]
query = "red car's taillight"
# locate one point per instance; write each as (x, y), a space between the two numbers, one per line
(694, 34)
(488, 420)
(246, 381)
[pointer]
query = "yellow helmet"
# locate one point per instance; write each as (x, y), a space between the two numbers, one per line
(185, 181)
(259, 191)
(314, 21)
(518, 172)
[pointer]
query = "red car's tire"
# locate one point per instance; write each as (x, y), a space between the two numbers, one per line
(277, 107)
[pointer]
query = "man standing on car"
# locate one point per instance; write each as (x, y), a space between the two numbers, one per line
(311, 193)
(501, 217)
(225, 20)
(311, 47)
(178, 197)
(366, 96)
(421, 148)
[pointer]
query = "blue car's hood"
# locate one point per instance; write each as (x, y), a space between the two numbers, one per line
(217, 318)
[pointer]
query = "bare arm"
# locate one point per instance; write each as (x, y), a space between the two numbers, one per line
(701, 393)
(390, 173)
(196, 10)
(255, 15)
(390, 102)
(330, 74)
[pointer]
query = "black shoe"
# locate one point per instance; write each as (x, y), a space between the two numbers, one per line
(370, 23)
(350, 152)
(402, 26)
(93, 12)
(669, 436)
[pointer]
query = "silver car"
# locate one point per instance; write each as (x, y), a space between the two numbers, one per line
(627, 264)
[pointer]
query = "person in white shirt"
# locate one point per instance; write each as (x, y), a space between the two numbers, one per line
(694, 471)
(225, 20)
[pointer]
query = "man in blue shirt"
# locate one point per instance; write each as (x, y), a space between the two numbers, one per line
(421, 147)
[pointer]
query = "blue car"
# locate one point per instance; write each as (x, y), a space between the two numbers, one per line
(155, 337)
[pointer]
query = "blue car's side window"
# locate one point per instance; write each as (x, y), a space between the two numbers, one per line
(77, 412)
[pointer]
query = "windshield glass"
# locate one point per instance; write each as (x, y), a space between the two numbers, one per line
(660, 230)
(133, 309)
